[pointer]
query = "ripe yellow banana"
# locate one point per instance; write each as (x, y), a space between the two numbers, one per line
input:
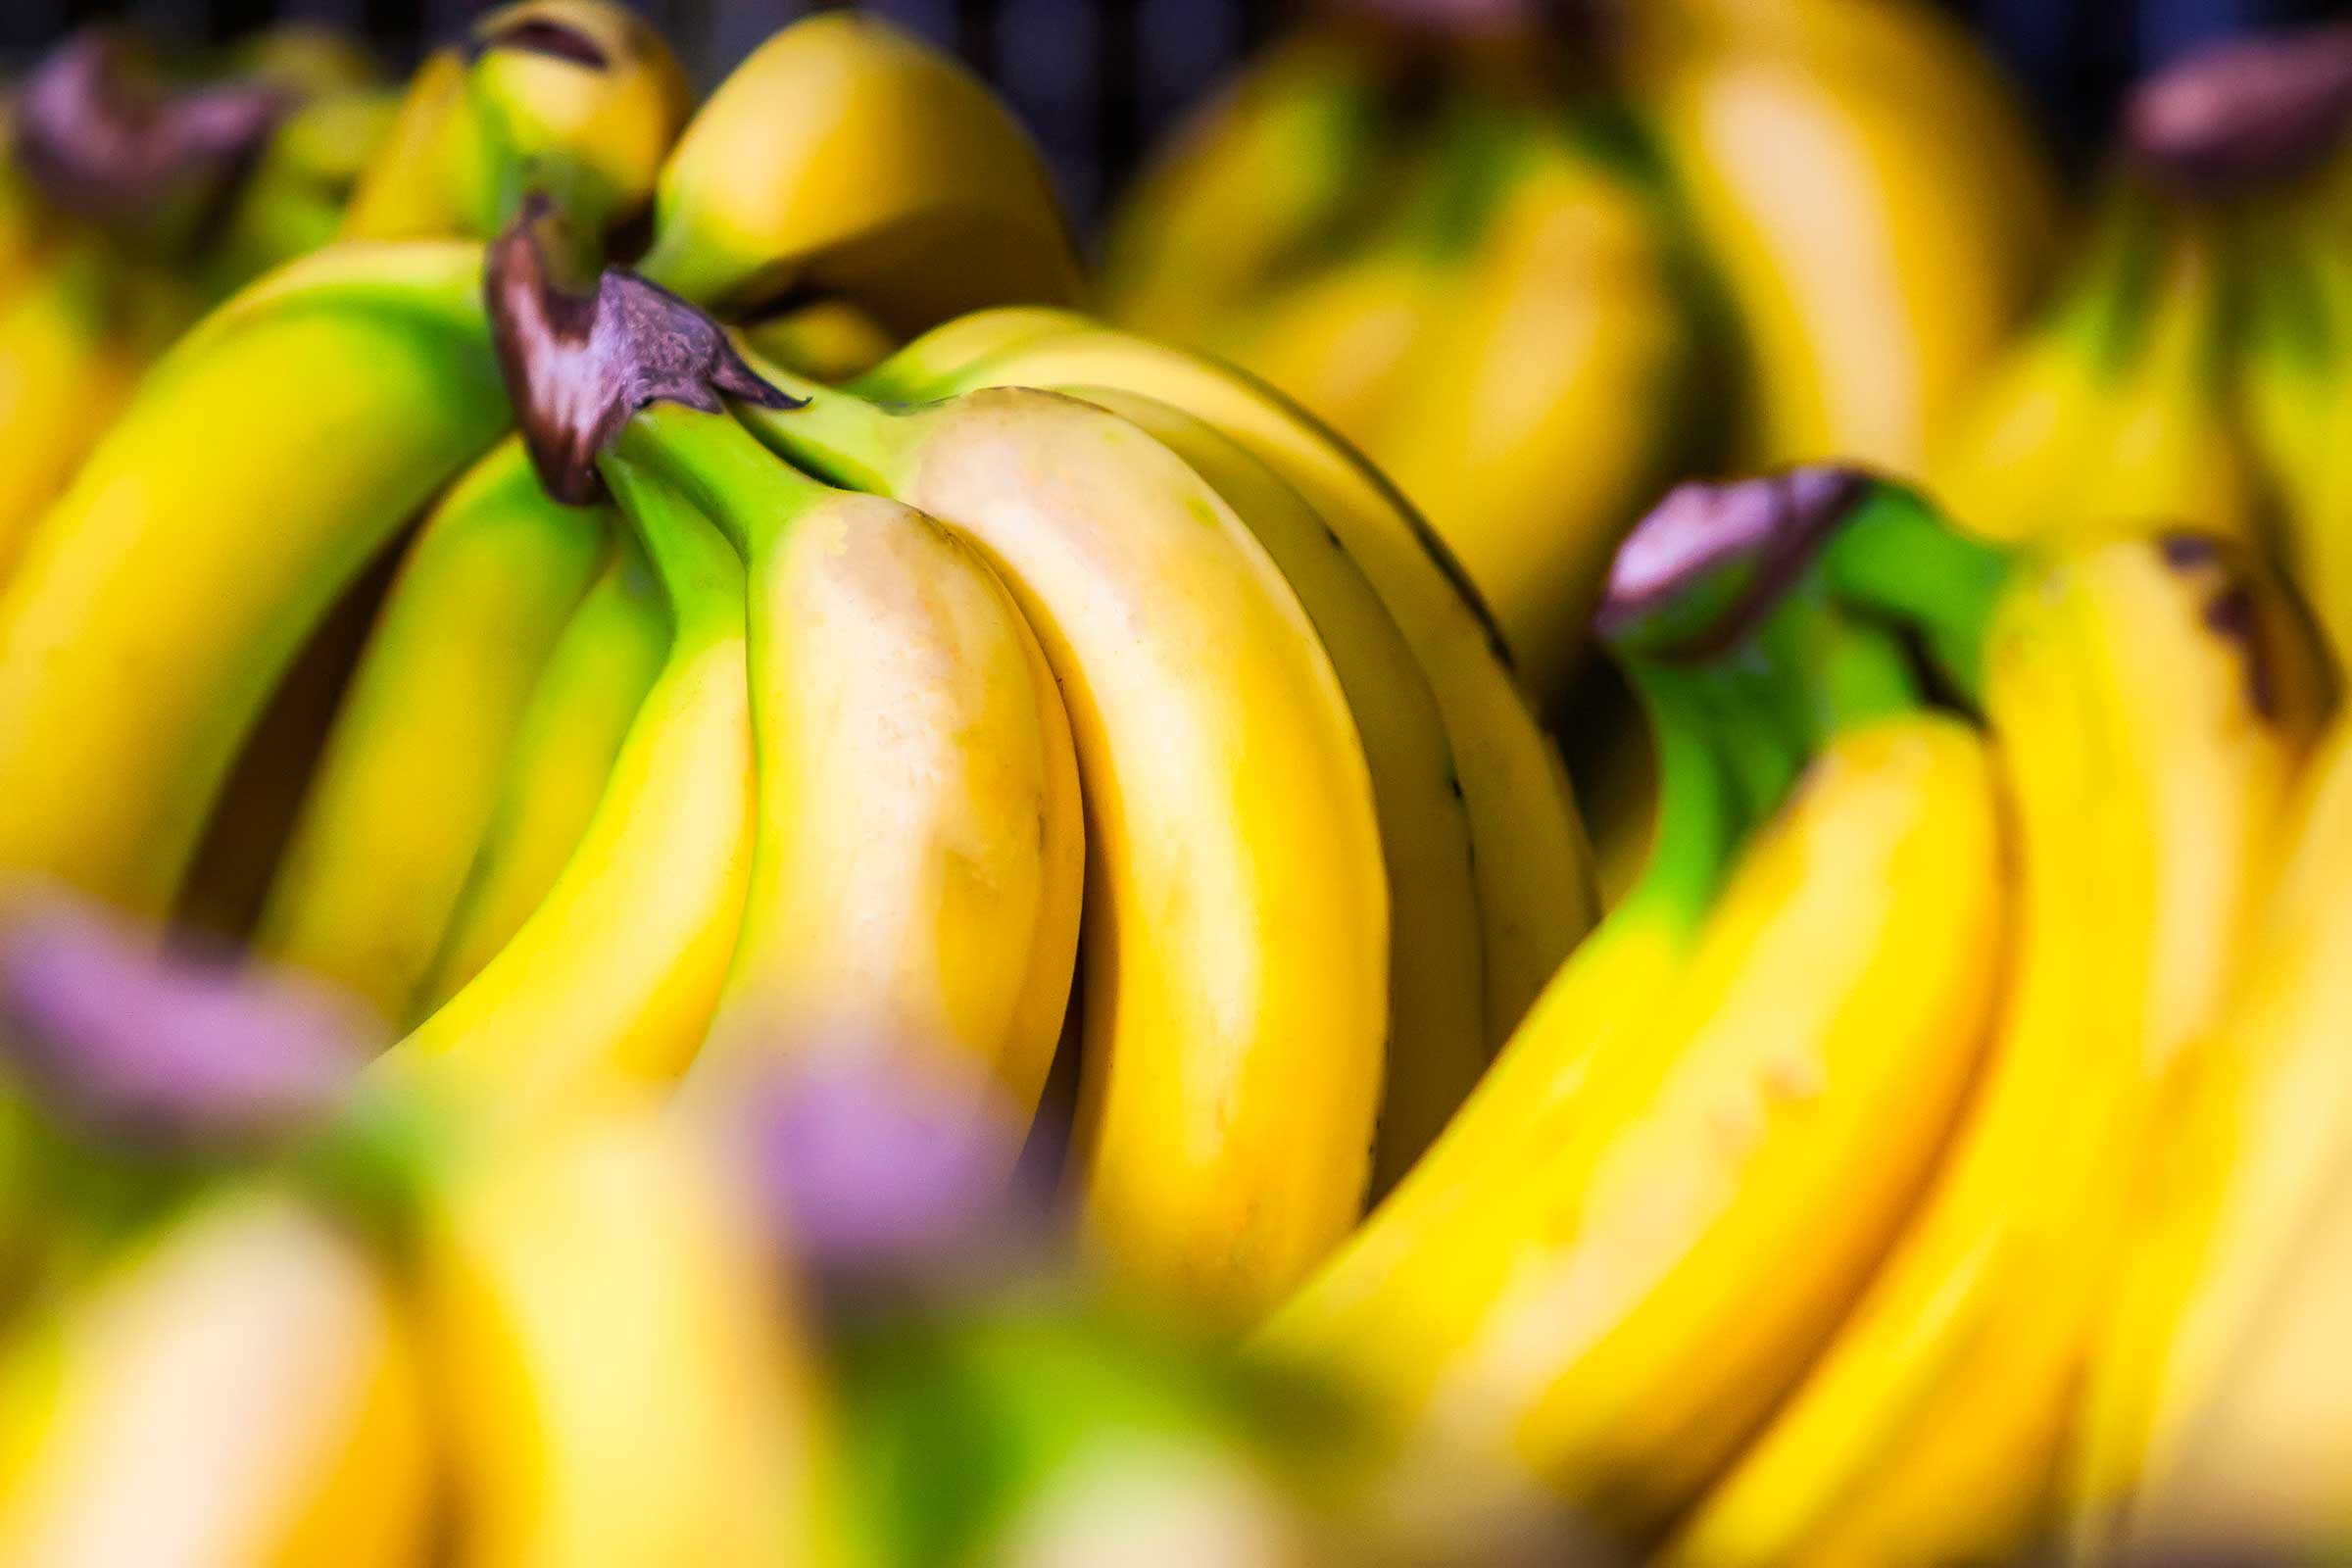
(1531, 870)
(846, 158)
(1258, 179)
(1437, 1035)
(1236, 918)
(1867, 194)
(610, 984)
(622, 1378)
(2151, 711)
(1342, 340)
(240, 1387)
(1542, 409)
(67, 361)
(565, 744)
(579, 100)
(398, 802)
(264, 462)
(830, 339)
(2114, 416)
(921, 847)
(2184, 1443)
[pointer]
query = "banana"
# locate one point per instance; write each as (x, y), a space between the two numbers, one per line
(1237, 920)
(579, 100)
(1342, 340)
(1531, 871)
(68, 363)
(1437, 1037)
(564, 745)
(398, 802)
(2183, 1443)
(152, 611)
(2150, 710)
(2298, 417)
(846, 158)
(612, 982)
(831, 339)
(920, 850)
(623, 1380)
(2115, 415)
(1615, 1294)
(1867, 194)
(1543, 409)
(240, 1387)
(1290, 145)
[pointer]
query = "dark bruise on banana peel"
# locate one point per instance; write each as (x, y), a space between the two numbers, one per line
(579, 363)
(1709, 560)
(102, 138)
(2261, 107)
(2234, 613)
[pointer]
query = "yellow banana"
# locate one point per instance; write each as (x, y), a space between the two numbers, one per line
(398, 800)
(1236, 919)
(1259, 177)
(1531, 871)
(2298, 414)
(2151, 712)
(565, 747)
(1869, 197)
(2114, 416)
(1342, 340)
(157, 604)
(832, 340)
(67, 363)
(1437, 1035)
(920, 850)
(579, 100)
(239, 1388)
(2183, 1443)
(846, 158)
(610, 984)
(623, 1380)
(1542, 410)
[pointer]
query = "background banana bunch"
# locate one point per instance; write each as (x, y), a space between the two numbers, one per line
(1539, 260)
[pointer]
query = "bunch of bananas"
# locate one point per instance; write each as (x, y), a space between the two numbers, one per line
(2187, 367)
(723, 710)
(1499, 250)
(130, 202)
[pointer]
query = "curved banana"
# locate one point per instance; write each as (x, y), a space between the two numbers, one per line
(623, 1381)
(2151, 711)
(921, 847)
(247, 1375)
(1436, 1035)
(1542, 410)
(1236, 931)
(2182, 1441)
(158, 601)
(846, 158)
(1342, 340)
(565, 743)
(1869, 197)
(612, 982)
(398, 802)
(578, 99)
(1530, 863)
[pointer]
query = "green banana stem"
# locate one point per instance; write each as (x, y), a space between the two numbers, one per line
(1704, 810)
(841, 438)
(1897, 558)
(666, 520)
(712, 462)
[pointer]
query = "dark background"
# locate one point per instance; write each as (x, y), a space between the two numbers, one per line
(1096, 78)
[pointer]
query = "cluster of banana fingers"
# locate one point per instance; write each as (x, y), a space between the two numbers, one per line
(1935, 1156)
(1538, 261)
(714, 711)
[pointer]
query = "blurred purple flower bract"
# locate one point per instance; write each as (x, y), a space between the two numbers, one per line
(169, 1049)
(883, 1165)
